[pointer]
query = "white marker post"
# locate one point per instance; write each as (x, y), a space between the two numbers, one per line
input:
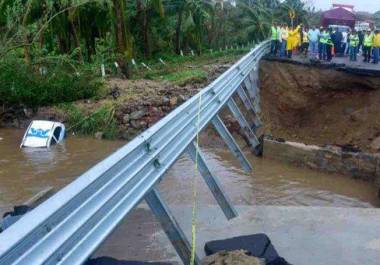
(147, 67)
(162, 61)
(103, 69)
(134, 63)
(43, 70)
(116, 65)
(192, 52)
(181, 53)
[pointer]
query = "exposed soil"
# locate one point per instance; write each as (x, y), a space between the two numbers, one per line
(320, 106)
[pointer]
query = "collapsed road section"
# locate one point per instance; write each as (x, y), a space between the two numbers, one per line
(324, 116)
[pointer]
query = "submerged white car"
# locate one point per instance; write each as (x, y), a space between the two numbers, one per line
(43, 134)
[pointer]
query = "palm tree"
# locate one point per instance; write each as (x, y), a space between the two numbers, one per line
(176, 8)
(257, 19)
(296, 6)
(123, 41)
(196, 14)
(144, 10)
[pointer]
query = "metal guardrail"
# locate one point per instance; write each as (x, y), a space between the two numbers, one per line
(68, 227)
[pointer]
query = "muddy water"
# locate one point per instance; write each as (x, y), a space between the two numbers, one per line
(25, 172)
(271, 183)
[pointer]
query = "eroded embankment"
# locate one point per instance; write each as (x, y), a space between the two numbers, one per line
(320, 106)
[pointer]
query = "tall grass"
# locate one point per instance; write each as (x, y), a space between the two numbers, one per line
(82, 122)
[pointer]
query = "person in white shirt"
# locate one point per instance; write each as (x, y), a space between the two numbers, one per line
(345, 42)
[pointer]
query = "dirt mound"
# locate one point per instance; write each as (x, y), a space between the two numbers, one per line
(320, 106)
(238, 257)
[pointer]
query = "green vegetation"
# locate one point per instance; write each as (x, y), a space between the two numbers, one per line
(83, 122)
(185, 70)
(105, 31)
(187, 76)
(37, 85)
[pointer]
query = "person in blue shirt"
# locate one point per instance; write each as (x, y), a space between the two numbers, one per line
(313, 36)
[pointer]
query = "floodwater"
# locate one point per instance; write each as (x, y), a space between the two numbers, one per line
(24, 173)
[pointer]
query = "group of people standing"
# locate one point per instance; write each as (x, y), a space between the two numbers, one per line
(324, 43)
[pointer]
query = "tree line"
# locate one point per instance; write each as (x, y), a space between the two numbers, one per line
(87, 30)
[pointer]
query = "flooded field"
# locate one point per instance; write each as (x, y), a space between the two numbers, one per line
(25, 172)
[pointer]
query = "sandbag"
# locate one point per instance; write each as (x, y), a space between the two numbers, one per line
(257, 245)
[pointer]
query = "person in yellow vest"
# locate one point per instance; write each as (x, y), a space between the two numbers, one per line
(292, 40)
(274, 39)
(284, 40)
(305, 42)
(354, 45)
(376, 46)
(367, 46)
(323, 38)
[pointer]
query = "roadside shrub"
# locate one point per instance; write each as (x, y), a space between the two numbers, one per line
(88, 123)
(45, 83)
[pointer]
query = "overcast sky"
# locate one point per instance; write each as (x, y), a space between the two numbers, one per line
(360, 5)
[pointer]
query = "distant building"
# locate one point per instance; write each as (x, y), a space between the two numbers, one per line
(339, 15)
(345, 15)
(347, 7)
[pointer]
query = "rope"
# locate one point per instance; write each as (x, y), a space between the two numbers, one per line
(195, 188)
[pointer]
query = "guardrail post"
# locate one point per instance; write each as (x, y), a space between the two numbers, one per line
(254, 142)
(253, 94)
(221, 128)
(255, 81)
(249, 106)
(212, 182)
(175, 234)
